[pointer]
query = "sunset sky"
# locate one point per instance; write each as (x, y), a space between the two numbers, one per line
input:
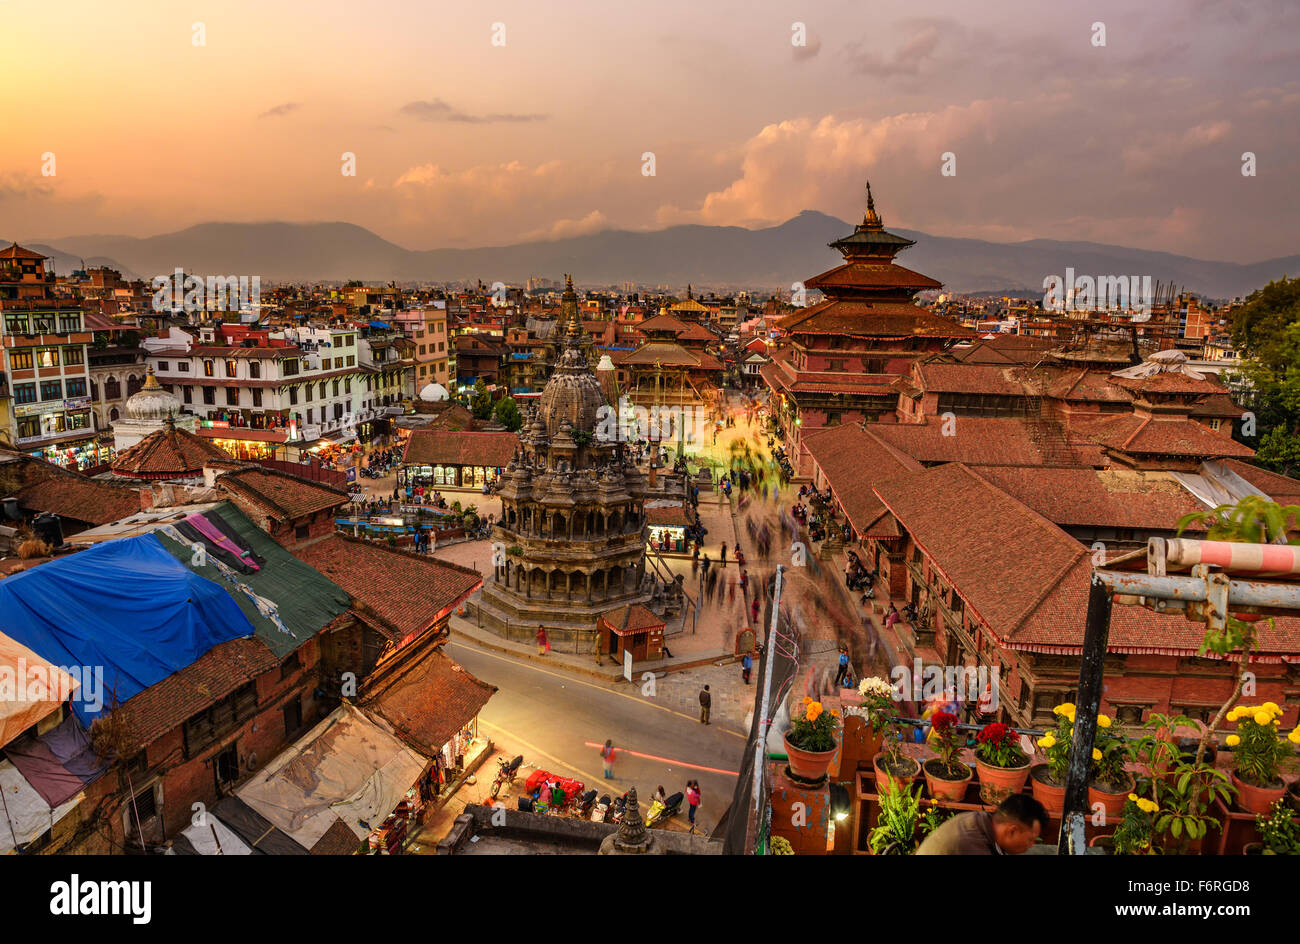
(462, 143)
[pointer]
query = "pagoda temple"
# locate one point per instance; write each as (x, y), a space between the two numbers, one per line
(571, 537)
(844, 353)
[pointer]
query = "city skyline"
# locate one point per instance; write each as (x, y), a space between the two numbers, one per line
(462, 143)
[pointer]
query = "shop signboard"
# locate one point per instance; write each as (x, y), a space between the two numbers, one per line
(33, 409)
(76, 403)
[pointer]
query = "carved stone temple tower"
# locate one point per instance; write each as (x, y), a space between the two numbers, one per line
(572, 536)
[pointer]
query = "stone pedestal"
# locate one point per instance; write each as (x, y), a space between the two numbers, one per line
(800, 814)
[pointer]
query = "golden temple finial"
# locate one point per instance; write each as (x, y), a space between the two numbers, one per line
(871, 218)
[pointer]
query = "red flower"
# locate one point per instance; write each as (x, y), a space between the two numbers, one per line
(995, 733)
(942, 720)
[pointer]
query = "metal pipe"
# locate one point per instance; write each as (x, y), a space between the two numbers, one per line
(1072, 840)
(1261, 594)
(1280, 559)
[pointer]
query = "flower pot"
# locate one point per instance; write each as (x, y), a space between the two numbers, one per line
(1103, 842)
(859, 744)
(1112, 801)
(942, 788)
(900, 774)
(998, 783)
(808, 765)
(1051, 795)
(1253, 799)
(1253, 848)
(1293, 795)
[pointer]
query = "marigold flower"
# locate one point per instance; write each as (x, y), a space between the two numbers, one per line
(1263, 717)
(1047, 740)
(1133, 797)
(1294, 736)
(1096, 754)
(814, 709)
(1103, 721)
(1271, 706)
(1148, 806)
(1232, 740)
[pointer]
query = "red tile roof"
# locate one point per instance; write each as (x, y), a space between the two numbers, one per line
(976, 440)
(1107, 498)
(970, 378)
(429, 700)
(1142, 435)
(80, 499)
(630, 619)
(279, 495)
(451, 447)
(167, 453)
(18, 252)
(866, 276)
(871, 320)
(1281, 488)
(853, 462)
(402, 591)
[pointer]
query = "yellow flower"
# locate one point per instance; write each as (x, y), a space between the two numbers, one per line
(1272, 707)
(1263, 717)
(814, 709)
(1133, 797)
(1148, 806)
(1096, 754)
(1065, 708)
(1233, 714)
(1103, 721)
(1046, 740)
(1294, 736)
(1232, 740)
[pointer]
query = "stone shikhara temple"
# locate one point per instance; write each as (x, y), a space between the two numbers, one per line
(571, 538)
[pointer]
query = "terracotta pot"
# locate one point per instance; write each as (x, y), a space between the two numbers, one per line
(808, 765)
(1112, 803)
(1293, 795)
(888, 779)
(859, 744)
(1045, 792)
(941, 789)
(1253, 799)
(998, 783)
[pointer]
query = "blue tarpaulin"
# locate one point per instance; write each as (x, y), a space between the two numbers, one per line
(126, 606)
(380, 324)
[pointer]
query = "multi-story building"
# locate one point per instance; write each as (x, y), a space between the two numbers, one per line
(435, 355)
(44, 338)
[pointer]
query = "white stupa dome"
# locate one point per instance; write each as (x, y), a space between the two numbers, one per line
(605, 363)
(152, 404)
(433, 393)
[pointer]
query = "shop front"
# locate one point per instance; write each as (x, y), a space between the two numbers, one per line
(449, 476)
(244, 442)
(632, 629)
(668, 524)
(61, 432)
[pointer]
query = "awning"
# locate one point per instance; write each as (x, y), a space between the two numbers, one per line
(347, 769)
(212, 838)
(38, 688)
(58, 764)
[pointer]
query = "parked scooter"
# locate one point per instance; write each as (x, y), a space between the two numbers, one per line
(506, 773)
(660, 813)
(615, 814)
(601, 809)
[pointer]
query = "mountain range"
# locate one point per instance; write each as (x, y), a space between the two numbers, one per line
(709, 256)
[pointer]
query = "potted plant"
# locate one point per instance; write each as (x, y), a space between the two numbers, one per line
(1001, 765)
(946, 775)
(1257, 754)
(894, 769)
(895, 832)
(1181, 822)
(1111, 783)
(810, 742)
(1048, 780)
(1133, 834)
(875, 710)
(1279, 832)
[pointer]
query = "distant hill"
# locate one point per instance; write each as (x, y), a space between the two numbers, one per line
(709, 256)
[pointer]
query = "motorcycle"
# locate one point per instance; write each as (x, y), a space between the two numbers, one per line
(506, 773)
(615, 814)
(601, 809)
(660, 813)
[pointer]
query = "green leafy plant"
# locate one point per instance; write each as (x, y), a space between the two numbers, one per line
(1279, 831)
(895, 832)
(1156, 752)
(1111, 755)
(946, 744)
(877, 702)
(1182, 816)
(780, 846)
(1056, 743)
(933, 817)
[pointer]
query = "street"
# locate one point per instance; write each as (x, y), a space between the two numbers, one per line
(558, 722)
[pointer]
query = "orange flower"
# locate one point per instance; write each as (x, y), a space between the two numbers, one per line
(814, 709)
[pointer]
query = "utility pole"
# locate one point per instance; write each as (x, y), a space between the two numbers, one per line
(769, 652)
(1095, 636)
